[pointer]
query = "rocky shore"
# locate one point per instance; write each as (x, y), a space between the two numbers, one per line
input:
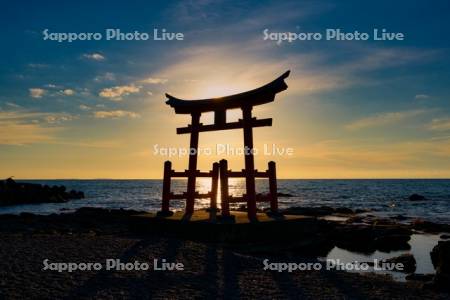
(13, 193)
(213, 269)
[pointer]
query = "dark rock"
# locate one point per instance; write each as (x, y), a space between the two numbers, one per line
(420, 277)
(445, 236)
(354, 238)
(440, 257)
(279, 194)
(355, 219)
(430, 226)
(392, 242)
(315, 246)
(417, 197)
(309, 211)
(408, 261)
(13, 193)
(344, 210)
(399, 217)
(383, 221)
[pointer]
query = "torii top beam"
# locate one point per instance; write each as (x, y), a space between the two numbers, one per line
(261, 95)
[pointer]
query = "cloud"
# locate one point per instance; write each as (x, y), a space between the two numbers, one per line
(37, 66)
(84, 107)
(421, 96)
(116, 93)
(14, 105)
(94, 56)
(358, 158)
(18, 128)
(36, 92)
(213, 70)
(108, 76)
(58, 118)
(68, 92)
(383, 119)
(439, 124)
(153, 80)
(115, 114)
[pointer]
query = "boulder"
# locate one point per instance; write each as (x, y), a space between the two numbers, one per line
(344, 210)
(387, 243)
(420, 277)
(416, 197)
(279, 194)
(440, 257)
(13, 193)
(431, 227)
(408, 261)
(309, 211)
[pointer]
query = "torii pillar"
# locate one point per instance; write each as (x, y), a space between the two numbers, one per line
(249, 162)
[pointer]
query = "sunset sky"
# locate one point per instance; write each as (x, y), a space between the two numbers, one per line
(353, 109)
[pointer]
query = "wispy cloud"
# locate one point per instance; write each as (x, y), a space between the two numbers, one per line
(94, 56)
(18, 128)
(36, 92)
(439, 124)
(154, 80)
(383, 119)
(84, 107)
(68, 92)
(115, 114)
(116, 93)
(421, 96)
(108, 76)
(13, 105)
(37, 66)
(59, 118)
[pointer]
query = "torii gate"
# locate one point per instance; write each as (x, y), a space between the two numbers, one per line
(245, 101)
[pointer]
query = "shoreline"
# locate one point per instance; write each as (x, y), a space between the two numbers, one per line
(93, 234)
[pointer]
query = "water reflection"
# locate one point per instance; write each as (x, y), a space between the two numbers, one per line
(421, 246)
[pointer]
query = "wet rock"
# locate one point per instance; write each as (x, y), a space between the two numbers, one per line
(355, 219)
(309, 211)
(420, 277)
(344, 210)
(383, 221)
(392, 242)
(440, 257)
(407, 260)
(354, 238)
(316, 246)
(279, 194)
(445, 236)
(399, 217)
(430, 227)
(416, 197)
(13, 193)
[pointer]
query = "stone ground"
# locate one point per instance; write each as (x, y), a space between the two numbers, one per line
(211, 271)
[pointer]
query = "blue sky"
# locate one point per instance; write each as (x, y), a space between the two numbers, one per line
(354, 109)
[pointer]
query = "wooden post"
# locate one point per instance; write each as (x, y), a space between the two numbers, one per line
(273, 187)
(224, 188)
(249, 162)
(214, 185)
(193, 149)
(165, 209)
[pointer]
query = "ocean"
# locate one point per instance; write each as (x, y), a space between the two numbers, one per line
(385, 197)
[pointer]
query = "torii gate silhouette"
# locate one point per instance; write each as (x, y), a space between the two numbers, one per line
(245, 101)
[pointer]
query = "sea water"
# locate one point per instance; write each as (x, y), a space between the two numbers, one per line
(386, 197)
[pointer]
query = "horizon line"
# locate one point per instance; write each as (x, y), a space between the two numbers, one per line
(325, 178)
